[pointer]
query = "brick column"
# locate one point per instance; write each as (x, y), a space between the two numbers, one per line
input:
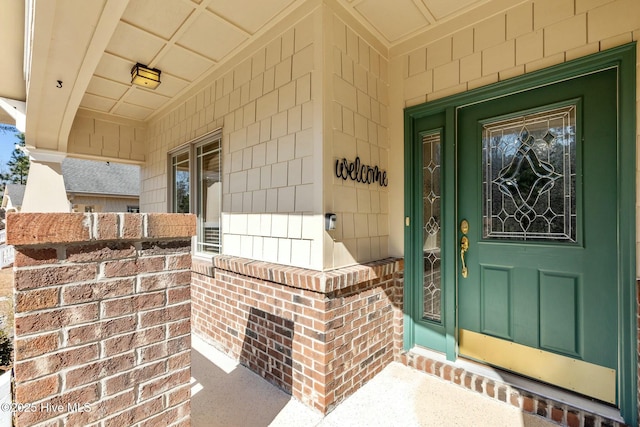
(102, 318)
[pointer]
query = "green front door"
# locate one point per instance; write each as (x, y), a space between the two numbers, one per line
(534, 178)
(538, 276)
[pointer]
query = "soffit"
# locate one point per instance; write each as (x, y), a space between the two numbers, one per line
(191, 39)
(398, 20)
(12, 83)
(185, 39)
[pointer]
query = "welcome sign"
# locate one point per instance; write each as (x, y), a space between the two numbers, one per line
(360, 173)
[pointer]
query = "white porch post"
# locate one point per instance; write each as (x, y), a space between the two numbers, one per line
(17, 111)
(45, 191)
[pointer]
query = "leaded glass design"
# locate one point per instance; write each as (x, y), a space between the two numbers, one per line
(529, 176)
(431, 226)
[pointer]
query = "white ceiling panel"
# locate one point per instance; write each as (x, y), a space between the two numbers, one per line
(106, 88)
(183, 63)
(443, 8)
(249, 15)
(133, 111)
(146, 98)
(161, 17)
(114, 68)
(94, 102)
(393, 19)
(212, 37)
(170, 85)
(134, 44)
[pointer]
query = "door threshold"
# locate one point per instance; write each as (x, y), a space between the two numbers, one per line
(523, 385)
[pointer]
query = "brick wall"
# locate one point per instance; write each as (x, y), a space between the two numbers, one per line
(317, 335)
(102, 318)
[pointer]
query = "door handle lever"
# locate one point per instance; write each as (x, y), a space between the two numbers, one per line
(464, 247)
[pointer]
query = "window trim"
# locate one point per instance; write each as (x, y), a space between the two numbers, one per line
(191, 148)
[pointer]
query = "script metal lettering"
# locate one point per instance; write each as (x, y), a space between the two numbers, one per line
(360, 173)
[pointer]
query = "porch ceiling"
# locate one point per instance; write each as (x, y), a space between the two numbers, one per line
(92, 46)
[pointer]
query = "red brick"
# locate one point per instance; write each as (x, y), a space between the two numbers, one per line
(457, 375)
(573, 419)
(50, 363)
(154, 317)
(74, 294)
(131, 226)
(106, 225)
(53, 275)
(179, 361)
(165, 247)
(122, 306)
(98, 370)
(164, 280)
(133, 340)
(513, 399)
(178, 295)
(169, 416)
(490, 389)
(528, 404)
(101, 409)
(153, 352)
(135, 376)
(162, 226)
(447, 372)
(136, 413)
(55, 319)
(101, 330)
(100, 252)
(27, 257)
(183, 327)
(179, 395)
(557, 414)
(36, 299)
(179, 262)
(29, 347)
(80, 396)
(43, 228)
(468, 381)
(178, 345)
(160, 385)
(33, 391)
(132, 267)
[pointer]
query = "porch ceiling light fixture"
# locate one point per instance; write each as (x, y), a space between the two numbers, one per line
(144, 76)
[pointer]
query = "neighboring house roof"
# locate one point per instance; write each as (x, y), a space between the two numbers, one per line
(105, 178)
(15, 192)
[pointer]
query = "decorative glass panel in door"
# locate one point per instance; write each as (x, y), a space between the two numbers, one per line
(528, 176)
(432, 278)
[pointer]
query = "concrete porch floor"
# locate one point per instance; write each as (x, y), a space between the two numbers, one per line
(225, 393)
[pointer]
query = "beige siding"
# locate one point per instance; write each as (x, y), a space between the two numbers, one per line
(93, 135)
(357, 99)
(266, 105)
(104, 204)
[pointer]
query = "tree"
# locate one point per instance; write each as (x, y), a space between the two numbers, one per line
(4, 128)
(18, 164)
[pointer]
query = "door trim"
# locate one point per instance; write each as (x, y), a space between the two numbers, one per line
(623, 59)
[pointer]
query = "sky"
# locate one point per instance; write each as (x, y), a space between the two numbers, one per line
(8, 141)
